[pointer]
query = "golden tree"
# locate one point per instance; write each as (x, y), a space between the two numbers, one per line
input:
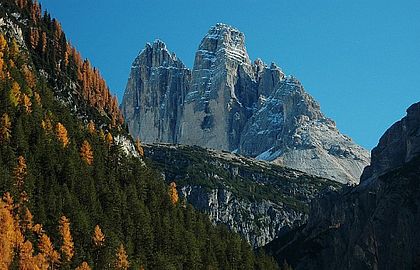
(86, 153)
(37, 99)
(47, 250)
(27, 104)
(20, 173)
(5, 129)
(139, 148)
(62, 135)
(46, 124)
(121, 262)
(102, 134)
(26, 259)
(98, 237)
(109, 139)
(15, 93)
(173, 193)
(67, 248)
(27, 220)
(91, 127)
(7, 235)
(83, 266)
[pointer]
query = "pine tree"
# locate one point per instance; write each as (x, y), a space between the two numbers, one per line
(86, 153)
(62, 135)
(5, 129)
(121, 262)
(98, 237)
(173, 193)
(67, 248)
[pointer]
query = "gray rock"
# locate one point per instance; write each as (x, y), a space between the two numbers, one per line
(230, 103)
(373, 225)
(260, 200)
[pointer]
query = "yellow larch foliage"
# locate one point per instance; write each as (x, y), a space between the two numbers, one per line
(98, 237)
(3, 43)
(173, 193)
(46, 248)
(46, 124)
(91, 127)
(15, 93)
(121, 262)
(67, 248)
(86, 153)
(29, 76)
(5, 128)
(37, 228)
(102, 134)
(139, 148)
(19, 173)
(7, 235)
(27, 104)
(37, 98)
(61, 132)
(26, 259)
(14, 49)
(109, 139)
(83, 266)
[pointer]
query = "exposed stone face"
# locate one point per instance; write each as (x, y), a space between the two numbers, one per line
(257, 199)
(370, 226)
(232, 104)
(154, 97)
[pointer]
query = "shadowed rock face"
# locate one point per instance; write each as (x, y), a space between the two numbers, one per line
(227, 102)
(373, 225)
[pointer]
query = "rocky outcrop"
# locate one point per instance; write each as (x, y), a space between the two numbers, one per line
(373, 225)
(259, 200)
(154, 97)
(233, 104)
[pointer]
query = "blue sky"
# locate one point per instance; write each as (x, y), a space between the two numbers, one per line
(359, 59)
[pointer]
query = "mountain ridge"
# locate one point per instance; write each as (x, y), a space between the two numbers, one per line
(228, 102)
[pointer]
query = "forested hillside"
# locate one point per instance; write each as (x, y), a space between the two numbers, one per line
(75, 191)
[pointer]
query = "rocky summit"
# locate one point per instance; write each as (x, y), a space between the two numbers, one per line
(230, 103)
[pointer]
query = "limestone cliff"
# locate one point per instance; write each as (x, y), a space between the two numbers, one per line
(228, 102)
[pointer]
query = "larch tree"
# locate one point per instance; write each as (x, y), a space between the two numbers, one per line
(62, 135)
(109, 139)
(26, 259)
(47, 250)
(86, 153)
(37, 99)
(67, 248)
(91, 127)
(83, 266)
(27, 220)
(6, 128)
(19, 173)
(98, 237)
(139, 148)
(7, 234)
(14, 95)
(173, 193)
(121, 261)
(26, 103)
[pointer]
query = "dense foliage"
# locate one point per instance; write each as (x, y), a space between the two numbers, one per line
(87, 203)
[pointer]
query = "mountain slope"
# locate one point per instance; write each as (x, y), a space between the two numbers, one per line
(259, 200)
(373, 225)
(67, 165)
(229, 103)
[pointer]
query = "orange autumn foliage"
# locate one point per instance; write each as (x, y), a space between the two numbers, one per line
(67, 248)
(83, 266)
(121, 261)
(98, 237)
(173, 193)
(86, 153)
(61, 133)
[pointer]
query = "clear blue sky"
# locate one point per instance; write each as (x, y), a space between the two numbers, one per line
(360, 59)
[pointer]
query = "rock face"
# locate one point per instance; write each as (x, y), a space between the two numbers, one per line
(228, 102)
(154, 97)
(259, 200)
(373, 225)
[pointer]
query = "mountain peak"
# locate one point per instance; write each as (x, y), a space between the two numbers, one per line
(157, 55)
